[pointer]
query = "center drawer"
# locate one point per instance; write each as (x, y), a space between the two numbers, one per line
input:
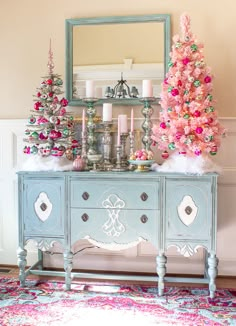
(107, 194)
(114, 226)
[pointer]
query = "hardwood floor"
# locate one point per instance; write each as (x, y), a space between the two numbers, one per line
(221, 281)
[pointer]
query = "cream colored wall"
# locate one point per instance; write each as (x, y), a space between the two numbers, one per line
(26, 27)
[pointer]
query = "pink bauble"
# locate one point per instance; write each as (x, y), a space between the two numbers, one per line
(198, 152)
(174, 92)
(163, 125)
(185, 61)
(207, 79)
(78, 163)
(199, 130)
(178, 135)
(165, 155)
(197, 113)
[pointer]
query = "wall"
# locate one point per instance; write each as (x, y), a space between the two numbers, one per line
(26, 27)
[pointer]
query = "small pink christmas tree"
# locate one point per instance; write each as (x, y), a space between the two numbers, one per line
(188, 118)
(50, 129)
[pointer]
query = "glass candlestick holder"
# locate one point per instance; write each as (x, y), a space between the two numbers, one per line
(123, 138)
(131, 144)
(107, 146)
(91, 113)
(118, 167)
(84, 149)
(147, 112)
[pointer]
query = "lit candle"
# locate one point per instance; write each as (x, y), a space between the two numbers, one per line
(123, 123)
(90, 90)
(83, 121)
(147, 88)
(118, 131)
(132, 120)
(107, 112)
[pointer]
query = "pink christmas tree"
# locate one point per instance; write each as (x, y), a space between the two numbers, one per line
(188, 118)
(50, 129)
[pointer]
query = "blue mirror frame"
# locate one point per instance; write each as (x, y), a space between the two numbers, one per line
(70, 23)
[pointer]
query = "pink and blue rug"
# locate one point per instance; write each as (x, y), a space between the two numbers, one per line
(44, 303)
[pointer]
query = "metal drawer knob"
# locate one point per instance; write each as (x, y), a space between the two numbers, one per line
(85, 196)
(144, 218)
(144, 196)
(85, 217)
(188, 210)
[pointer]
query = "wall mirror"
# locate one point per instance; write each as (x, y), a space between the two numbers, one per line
(108, 49)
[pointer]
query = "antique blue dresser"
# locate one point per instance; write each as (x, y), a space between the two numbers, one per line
(118, 209)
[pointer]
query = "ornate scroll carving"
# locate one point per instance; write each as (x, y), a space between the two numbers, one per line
(113, 227)
(43, 206)
(187, 210)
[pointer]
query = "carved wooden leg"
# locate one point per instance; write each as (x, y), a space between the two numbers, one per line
(68, 258)
(212, 272)
(21, 262)
(161, 271)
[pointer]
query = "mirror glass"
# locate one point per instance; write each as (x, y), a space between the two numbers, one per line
(108, 49)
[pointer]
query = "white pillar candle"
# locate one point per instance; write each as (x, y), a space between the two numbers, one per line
(83, 121)
(123, 123)
(107, 112)
(132, 120)
(118, 131)
(147, 88)
(90, 89)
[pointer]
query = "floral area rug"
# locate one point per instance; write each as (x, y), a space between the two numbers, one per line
(44, 303)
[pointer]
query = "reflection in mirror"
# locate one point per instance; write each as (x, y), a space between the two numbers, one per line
(109, 48)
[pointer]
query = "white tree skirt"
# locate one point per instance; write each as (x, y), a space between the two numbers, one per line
(49, 163)
(184, 164)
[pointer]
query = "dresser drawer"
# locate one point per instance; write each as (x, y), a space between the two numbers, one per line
(103, 194)
(110, 225)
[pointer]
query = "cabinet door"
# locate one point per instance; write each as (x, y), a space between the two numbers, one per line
(44, 202)
(188, 209)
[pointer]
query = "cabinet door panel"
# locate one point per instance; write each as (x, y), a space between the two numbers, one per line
(44, 207)
(188, 209)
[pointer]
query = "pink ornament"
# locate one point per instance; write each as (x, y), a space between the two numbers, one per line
(37, 105)
(62, 111)
(174, 92)
(79, 163)
(199, 130)
(38, 94)
(55, 100)
(64, 102)
(163, 125)
(178, 135)
(179, 83)
(49, 81)
(197, 114)
(50, 94)
(182, 152)
(186, 61)
(165, 155)
(207, 79)
(210, 120)
(166, 81)
(198, 152)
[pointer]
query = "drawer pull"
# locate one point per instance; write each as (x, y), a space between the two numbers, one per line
(43, 207)
(144, 196)
(85, 196)
(188, 210)
(144, 218)
(85, 217)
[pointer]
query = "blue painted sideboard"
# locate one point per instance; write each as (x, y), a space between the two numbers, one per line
(118, 210)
